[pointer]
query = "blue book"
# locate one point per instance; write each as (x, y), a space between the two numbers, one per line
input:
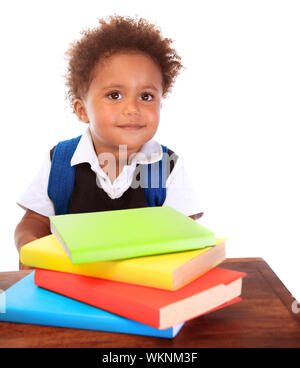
(24, 302)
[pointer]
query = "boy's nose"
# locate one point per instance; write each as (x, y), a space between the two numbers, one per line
(130, 107)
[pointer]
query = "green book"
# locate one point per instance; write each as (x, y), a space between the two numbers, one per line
(109, 235)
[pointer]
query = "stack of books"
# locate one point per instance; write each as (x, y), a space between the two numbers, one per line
(143, 271)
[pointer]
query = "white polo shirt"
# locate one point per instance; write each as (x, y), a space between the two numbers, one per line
(180, 192)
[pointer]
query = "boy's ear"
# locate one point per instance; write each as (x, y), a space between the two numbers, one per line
(80, 110)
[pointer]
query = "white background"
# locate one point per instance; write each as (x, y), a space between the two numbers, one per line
(233, 114)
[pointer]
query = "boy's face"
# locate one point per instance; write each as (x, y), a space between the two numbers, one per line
(123, 102)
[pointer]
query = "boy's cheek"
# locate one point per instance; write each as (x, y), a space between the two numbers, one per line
(106, 119)
(151, 116)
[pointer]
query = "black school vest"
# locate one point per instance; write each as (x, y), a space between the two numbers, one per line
(87, 196)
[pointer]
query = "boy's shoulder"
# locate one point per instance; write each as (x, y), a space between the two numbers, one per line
(69, 145)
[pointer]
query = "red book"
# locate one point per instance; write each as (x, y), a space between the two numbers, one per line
(151, 306)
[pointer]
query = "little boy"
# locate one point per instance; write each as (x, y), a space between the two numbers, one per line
(118, 74)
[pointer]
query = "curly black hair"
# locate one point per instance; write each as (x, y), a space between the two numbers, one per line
(113, 35)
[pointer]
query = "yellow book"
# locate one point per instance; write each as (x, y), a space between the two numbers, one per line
(165, 271)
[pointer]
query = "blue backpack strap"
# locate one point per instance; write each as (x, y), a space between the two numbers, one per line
(62, 175)
(154, 180)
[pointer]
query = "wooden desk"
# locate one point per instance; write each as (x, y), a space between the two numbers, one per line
(263, 319)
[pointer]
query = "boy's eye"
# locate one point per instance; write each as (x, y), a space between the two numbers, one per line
(147, 95)
(114, 95)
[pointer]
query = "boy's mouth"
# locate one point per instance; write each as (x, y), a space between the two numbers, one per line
(131, 126)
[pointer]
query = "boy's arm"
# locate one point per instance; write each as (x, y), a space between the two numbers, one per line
(197, 216)
(31, 227)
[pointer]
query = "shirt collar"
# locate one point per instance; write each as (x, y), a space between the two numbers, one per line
(150, 152)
